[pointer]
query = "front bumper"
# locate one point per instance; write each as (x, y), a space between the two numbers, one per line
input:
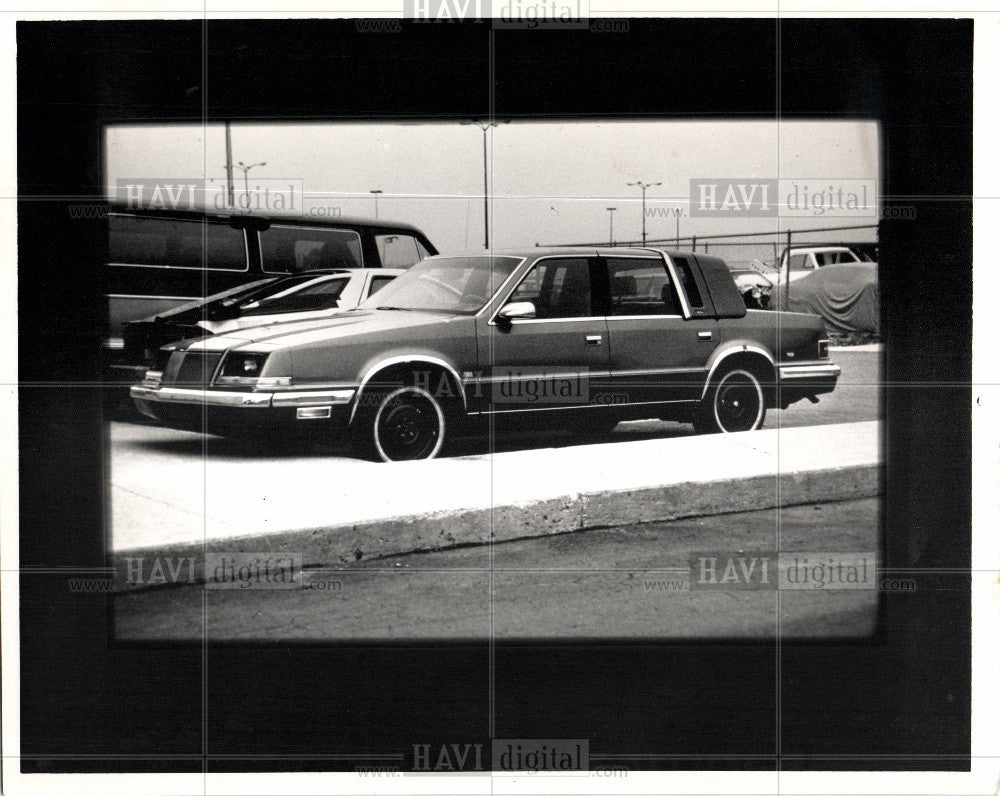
(227, 413)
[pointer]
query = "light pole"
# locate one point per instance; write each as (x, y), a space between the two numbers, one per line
(376, 192)
(611, 224)
(246, 179)
(484, 126)
(644, 186)
(230, 199)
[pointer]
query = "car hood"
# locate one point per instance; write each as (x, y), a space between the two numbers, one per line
(348, 324)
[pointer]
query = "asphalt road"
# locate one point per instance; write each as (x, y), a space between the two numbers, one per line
(629, 582)
(856, 398)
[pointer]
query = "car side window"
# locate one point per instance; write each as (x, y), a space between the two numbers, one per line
(641, 287)
(377, 283)
(558, 287)
(799, 262)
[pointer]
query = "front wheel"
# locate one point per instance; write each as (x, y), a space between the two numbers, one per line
(735, 402)
(408, 424)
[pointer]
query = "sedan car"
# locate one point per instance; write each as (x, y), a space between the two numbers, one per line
(583, 337)
(310, 295)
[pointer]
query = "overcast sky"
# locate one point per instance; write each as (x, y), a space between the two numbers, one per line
(551, 182)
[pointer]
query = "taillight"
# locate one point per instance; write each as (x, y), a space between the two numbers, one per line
(824, 349)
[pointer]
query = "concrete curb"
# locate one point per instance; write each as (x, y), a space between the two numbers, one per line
(340, 544)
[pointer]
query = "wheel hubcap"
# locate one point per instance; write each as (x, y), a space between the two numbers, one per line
(738, 403)
(408, 427)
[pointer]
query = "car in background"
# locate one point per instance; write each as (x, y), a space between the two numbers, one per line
(755, 284)
(845, 296)
(584, 337)
(797, 262)
(158, 259)
(307, 296)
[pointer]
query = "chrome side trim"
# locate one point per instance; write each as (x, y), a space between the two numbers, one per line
(523, 321)
(178, 395)
(507, 377)
(641, 317)
(677, 285)
(655, 372)
(256, 400)
(312, 398)
(738, 348)
(582, 406)
(809, 371)
(406, 359)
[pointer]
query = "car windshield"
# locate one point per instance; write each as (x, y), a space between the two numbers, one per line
(460, 285)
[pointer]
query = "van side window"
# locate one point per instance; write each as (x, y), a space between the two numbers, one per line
(288, 249)
(175, 243)
(399, 251)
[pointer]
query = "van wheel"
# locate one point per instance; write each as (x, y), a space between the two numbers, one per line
(408, 424)
(735, 402)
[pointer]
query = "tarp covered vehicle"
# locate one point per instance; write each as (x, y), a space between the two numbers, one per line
(845, 296)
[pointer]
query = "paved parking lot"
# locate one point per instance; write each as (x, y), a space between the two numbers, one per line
(628, 582)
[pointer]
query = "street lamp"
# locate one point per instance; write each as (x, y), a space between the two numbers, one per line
(246, 180)
(611, 223)
(376, 192)
(644, 186)
(484, 126)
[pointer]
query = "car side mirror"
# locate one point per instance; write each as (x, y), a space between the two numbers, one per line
(515, 310)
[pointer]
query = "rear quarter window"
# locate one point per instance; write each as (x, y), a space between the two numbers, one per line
(688, 282)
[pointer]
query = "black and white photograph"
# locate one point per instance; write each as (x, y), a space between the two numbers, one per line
(513, 397)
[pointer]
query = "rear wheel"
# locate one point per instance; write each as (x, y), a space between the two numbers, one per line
(408, 424)
(735, 402)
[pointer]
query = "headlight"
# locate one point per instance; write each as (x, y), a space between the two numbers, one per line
(240, 369)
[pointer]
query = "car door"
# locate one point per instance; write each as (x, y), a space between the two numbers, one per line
(660, 334)
(556, 360)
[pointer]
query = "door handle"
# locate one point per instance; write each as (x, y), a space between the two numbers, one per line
(704, 335)
(594, 339)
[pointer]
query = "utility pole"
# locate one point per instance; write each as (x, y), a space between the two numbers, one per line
(376, 192)
(484, 126)
(611, 223)
(229, 167)
(644, 186)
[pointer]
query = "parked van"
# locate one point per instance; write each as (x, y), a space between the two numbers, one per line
(158, 259)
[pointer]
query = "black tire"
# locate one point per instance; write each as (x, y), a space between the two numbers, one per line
(734, 403)
(406, 424)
